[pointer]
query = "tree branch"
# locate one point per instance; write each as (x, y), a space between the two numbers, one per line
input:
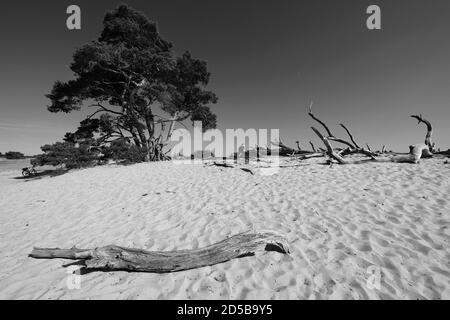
(428, 142)
(350, 135)
(330, 150)
(319, 121)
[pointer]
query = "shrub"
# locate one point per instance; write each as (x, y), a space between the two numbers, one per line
(69, 154)
(12, 155)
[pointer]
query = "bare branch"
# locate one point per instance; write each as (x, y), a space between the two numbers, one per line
(350, 135)
(319, 121)
(106, 109)
(330, 150)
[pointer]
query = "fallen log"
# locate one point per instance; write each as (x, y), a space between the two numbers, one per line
(115, 258)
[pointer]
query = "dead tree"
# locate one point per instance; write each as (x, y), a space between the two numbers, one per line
(428, 142)
(352, 147)
(331, 153)
(115, 258)
(416, 152)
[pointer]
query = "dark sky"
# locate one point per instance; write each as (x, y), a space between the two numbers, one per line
(268, 60)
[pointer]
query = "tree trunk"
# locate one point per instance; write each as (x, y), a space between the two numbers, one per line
(171, 127)
(429, 131)
(110, 258)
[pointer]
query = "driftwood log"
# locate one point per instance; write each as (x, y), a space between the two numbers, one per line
(115, 258)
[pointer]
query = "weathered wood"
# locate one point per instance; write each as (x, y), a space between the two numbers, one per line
(284, 150)
(418, 151)
(115, 258)
(330, 150)
(330, 135)
(428, 142)
(362, 151)
(319, 121)
(312, 155)
(351, 136)
(353, 146)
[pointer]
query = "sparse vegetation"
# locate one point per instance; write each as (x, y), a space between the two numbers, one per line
(14, 155)
(67, 154)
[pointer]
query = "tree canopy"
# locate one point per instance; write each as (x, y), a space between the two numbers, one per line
(128, 74)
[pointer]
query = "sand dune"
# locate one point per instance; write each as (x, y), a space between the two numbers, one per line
(342, 223)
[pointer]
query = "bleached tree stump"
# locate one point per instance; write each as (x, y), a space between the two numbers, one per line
(418, 151)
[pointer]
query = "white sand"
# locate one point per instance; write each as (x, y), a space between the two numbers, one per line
(339, 222)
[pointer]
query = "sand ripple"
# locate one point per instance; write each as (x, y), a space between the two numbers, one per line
(342, 223)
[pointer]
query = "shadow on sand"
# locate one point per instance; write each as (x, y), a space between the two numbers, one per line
(43, 174)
